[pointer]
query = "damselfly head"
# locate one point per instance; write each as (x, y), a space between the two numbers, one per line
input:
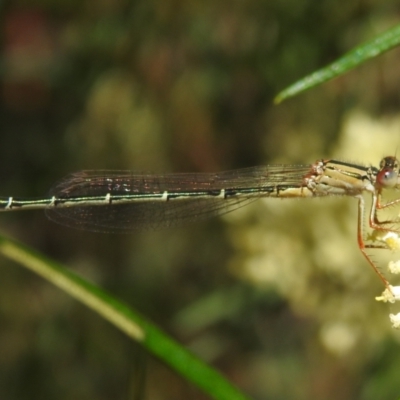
(388, 175)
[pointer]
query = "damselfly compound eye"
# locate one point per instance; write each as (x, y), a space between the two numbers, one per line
(387, 178)
(388, 174)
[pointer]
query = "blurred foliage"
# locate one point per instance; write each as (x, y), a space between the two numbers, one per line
(188, 86)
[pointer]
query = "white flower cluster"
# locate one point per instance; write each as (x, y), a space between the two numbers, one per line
(392, 293)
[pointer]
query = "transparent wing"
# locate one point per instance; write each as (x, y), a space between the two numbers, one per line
(243, 185)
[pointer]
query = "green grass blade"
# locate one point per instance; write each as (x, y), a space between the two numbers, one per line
(350, 60)
(129, 321)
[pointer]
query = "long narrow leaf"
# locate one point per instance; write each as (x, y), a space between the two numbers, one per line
(350, 60)
(126, 319)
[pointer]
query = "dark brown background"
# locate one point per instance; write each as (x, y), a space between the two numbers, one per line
(276, 296)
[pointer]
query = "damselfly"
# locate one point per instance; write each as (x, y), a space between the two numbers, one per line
(121, 201)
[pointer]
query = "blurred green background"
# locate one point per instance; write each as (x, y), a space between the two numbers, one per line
(276, 295)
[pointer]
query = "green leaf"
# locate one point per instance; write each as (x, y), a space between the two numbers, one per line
(126, 319)
(350, 60)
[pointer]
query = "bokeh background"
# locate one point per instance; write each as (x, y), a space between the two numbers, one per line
(276, 295)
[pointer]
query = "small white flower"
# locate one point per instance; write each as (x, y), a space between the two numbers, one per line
(389, 238)
(394, 267)
(395, 320)
(390, 294)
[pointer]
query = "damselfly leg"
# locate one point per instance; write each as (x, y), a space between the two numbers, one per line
(387, 177)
